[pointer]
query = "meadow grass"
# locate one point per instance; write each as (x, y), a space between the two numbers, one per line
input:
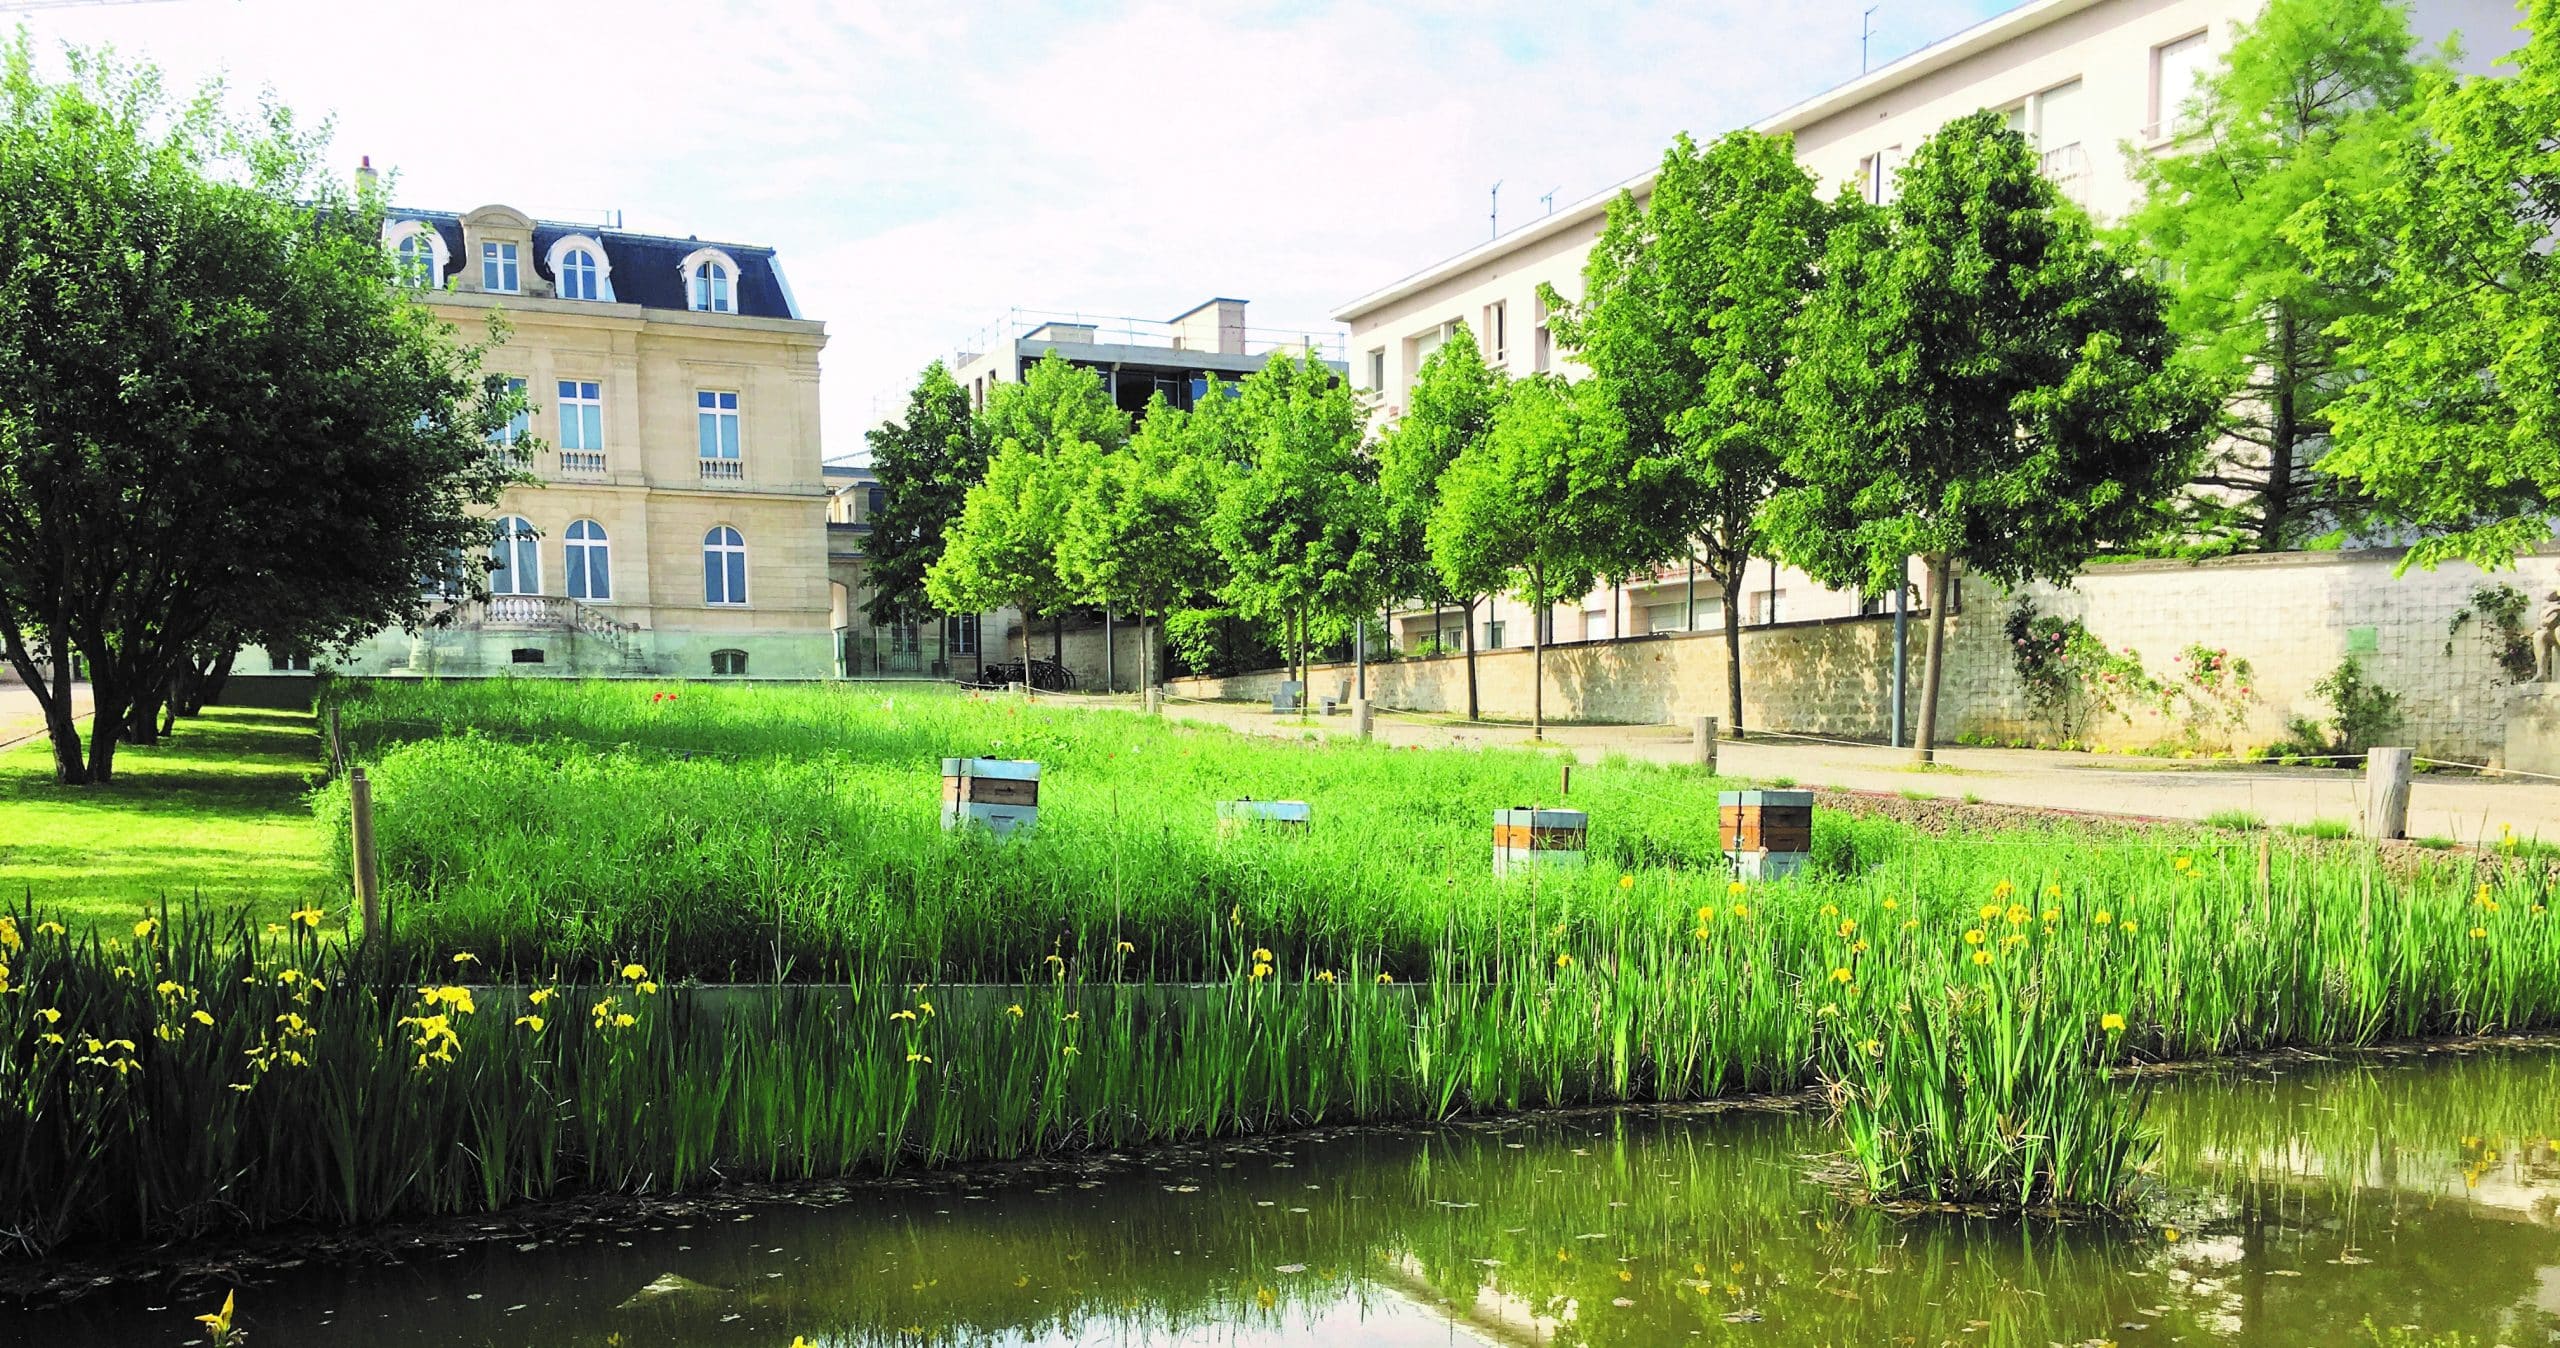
(213, 814)
(564, 879)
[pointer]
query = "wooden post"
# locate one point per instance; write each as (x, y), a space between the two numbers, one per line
(368, 882)
(1702, 742)
(1564, 787)
(2386, 784)
(1360, 717)
(1155, 702)
(337, 743)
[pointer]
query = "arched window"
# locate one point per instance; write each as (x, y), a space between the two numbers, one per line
(724, 566)
(710, 281)
(711, 287)
(578, 275)
(590, 561)
(417, 253)
(417, 261)
(518, 558)
(580, 268)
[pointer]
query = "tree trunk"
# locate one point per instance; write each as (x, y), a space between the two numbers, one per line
(52, 690)
(2276, 507)
(1467, 631)
(1537, 657)
(1733, 680)
(1924, 743)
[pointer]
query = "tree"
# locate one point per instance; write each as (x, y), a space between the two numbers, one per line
(1003, 550)
(926, 462)
(1300, 523)
(1044, 433)
(1533, 506)
(1982, 383)
(2454, 425)
(2311, 100)
(1686, 323)
(220, 419)
(1450, 411)
(1136, 535)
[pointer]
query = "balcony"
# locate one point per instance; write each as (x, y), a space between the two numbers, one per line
(582, 463)
(2067, 168)
(724, 470)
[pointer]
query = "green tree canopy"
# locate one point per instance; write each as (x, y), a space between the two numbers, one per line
(2454, 424)
(1536, 506)
(1981, 383)
(1300, 521)
(220, 420)
(1687, 324)
(1136, 536)
(1450, 411)
(926, 460)
(2314, 98)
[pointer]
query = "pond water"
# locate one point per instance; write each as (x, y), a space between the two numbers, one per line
(2295, 1203)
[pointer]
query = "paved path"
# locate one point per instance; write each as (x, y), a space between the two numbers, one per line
(2465, 809)
(21, 719)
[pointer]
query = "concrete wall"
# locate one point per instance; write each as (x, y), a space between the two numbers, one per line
(2294, 617)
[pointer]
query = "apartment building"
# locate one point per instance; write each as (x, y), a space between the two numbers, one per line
(1137, 358)
(2091, 83)
(676, 523)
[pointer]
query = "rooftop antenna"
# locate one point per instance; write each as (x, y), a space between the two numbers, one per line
(1866, 34)
(1495, 215)
(1550, 198)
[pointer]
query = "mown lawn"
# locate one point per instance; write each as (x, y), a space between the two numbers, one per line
(215, 815)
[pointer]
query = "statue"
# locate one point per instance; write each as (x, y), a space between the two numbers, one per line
(2546, 640)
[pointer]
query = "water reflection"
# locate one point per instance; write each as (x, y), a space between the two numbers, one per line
(2295, 1204)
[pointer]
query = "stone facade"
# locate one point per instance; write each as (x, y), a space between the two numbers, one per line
(649, 346)
(2293, 616)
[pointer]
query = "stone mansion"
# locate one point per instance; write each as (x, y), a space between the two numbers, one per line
(677, 525)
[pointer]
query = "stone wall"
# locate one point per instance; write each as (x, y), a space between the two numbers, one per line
(2294, 617)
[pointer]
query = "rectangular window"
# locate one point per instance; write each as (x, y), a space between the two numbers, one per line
(1496, 332)
(1378, 370)
(960, 634)
(875, 501)
(581, 426)
(1540, 348)
(1427, 343)
(519, 424)
(2175, 68)
(1766, 606)
(498, 268)
(1595, 624)
(716, 428)
(1493, 634)
(1877, 174)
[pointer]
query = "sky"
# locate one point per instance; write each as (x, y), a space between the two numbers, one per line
(924, 168)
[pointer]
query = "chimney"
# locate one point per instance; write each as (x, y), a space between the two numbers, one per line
(1215, 326)
(367, 181)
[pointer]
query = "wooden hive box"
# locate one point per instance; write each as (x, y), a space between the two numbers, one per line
(1000, 794)
(1766, 835)
(1288, 816)
(1526, 839)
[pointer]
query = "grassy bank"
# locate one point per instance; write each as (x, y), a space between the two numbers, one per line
(1127, 976)
(215, 815)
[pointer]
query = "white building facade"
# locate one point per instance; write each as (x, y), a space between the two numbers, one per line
(2092, 83)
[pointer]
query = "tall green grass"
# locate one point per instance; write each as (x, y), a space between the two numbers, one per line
(1125, 976)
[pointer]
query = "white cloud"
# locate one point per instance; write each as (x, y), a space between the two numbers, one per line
(923, 167)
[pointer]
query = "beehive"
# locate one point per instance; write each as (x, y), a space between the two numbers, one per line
(1766, 835)
(1001, 794)
(1525, 839)
(1291, 816)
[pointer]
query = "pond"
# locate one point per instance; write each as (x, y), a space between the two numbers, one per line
(2297, 1201)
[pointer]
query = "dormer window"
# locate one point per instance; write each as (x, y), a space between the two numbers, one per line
(417, 253)
(499, 273)
(578, 275)
(711, 279)
(580, 268)
(711, 288)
